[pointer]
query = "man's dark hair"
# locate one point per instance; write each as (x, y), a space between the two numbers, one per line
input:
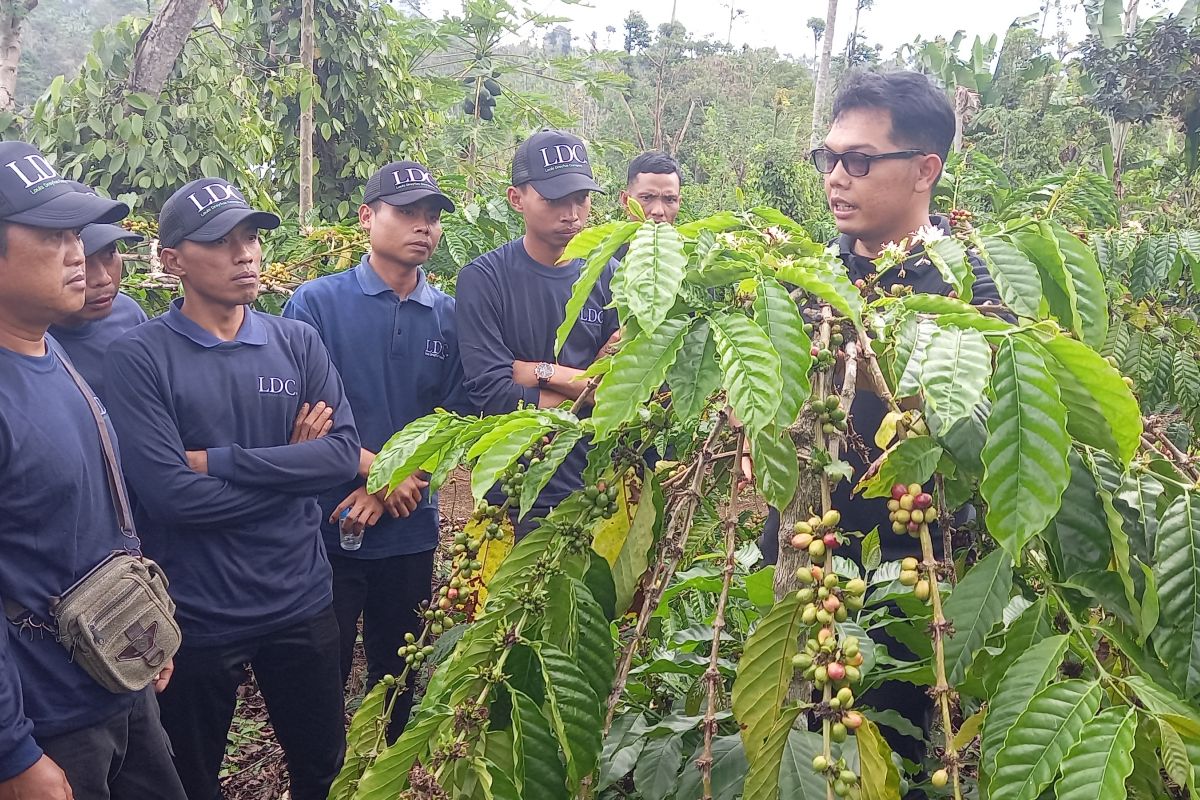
(921, 114)
(656, 162)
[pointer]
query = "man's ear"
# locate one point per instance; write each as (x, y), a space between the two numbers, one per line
(366, 215)
(929, 170)
(169, 258)
(623, 199)
(516, 199)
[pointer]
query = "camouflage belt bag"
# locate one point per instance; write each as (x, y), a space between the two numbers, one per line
(117, 621)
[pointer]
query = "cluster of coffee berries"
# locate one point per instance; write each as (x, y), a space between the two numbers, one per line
(414, 653)
(481, 96)
(911, 510)
(830, 414)
(827, 601)
(817, 535)
(960, 219)
(910, 576)
(513, 479)
(603, 499)
(838, 773)
(824, 661)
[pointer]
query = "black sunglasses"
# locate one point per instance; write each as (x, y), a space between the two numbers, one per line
(857, 164)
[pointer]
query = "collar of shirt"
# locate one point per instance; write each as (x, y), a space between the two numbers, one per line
(371, 284)
(251, 332)
(860, 266)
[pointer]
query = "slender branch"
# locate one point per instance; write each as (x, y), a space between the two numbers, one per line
(712, 675)
(941, 689)
(945, 522)
(875, 373)
(670, 549)
(586, 395)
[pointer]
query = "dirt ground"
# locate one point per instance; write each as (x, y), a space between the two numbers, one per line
(254, 767)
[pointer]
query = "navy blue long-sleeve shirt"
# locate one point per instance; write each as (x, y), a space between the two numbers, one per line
(241, 545)
(57, 521)
(509, 309)
(399, 361)
(86, 344)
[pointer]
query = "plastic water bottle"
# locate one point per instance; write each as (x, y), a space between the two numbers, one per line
(351, 538)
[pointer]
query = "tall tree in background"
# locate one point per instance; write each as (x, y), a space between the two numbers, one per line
(852, 43)
(12, 17)
(306, 110)
(161, 44)
(817, 26)
(822, 86)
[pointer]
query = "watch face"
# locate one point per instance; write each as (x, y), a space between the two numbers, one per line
(543, 371)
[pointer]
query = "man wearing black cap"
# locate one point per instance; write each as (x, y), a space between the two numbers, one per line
(61, 733)
(205, 397)
(512, 300)
(392, 337)
(107, 313)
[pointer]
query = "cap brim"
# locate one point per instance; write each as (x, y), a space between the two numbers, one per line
(97, 237)
(223, 223)
(562, 185)
(413, 195)
(71, 210)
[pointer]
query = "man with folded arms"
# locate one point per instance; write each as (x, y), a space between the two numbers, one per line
(205, 398)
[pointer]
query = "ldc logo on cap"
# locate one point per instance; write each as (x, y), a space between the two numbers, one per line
(564, 154)
(209, 198)
(35, 170)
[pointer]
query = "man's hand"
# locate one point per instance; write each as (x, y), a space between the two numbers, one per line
(197, 461)
(365, 509)
(43, 781)
(609, 347)
(747, 476)
(404, 498)
(164, 676)
(312, 423)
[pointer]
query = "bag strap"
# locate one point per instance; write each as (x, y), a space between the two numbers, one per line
(116, 480)
(16, 613)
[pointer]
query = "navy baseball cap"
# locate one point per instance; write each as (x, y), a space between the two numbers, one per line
(206, 210)
(33, 193)
(97, 237)
(401, 183)
(555, 163)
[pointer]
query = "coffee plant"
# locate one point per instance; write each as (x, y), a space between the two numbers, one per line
(630, 646)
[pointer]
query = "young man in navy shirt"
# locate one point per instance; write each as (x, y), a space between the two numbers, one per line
(512, 300)
(392, 337)
(107, 313)
(205, 397)
(61, 733)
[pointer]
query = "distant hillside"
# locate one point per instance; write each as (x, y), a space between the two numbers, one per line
(58, 35)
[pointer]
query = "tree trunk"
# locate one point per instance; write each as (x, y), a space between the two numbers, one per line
(822, 85)
(161, 44)
(306, 111)
(12, 16)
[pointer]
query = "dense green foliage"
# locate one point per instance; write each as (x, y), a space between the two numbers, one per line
(632, 646)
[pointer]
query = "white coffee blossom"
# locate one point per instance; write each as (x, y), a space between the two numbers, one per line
(927, 235)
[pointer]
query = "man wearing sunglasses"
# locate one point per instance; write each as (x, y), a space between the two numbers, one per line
(882, 158)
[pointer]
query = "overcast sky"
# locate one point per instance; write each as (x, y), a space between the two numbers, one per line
(782, 23)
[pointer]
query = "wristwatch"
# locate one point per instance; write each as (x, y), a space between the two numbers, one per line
(543, 372)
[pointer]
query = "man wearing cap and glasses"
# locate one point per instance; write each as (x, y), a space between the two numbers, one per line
(512, 300)
(205, 397)
(392, 337)
(107, 312)
(62, 734)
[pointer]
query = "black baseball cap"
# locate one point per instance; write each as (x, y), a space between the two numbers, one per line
(97, 237)
(205, 210)
(401, 183)
(555, 163)
(33, 193)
